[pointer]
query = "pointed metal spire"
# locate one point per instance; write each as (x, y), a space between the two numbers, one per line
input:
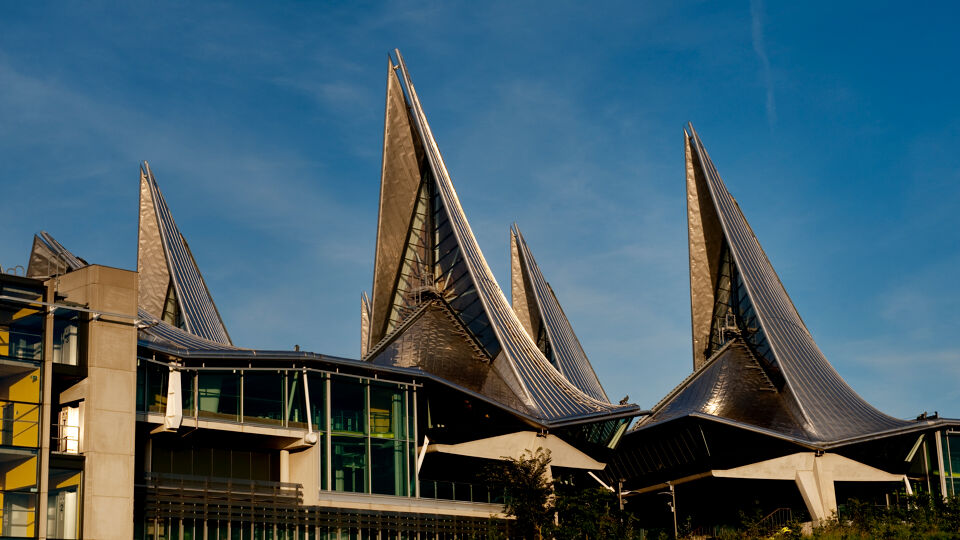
(435, 303)
(538, 309)
(171, 286)
(735, 295)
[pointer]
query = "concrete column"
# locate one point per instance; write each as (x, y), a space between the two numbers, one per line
(109, 422)
(284, 465)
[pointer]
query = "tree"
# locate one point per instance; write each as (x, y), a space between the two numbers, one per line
(529, 491)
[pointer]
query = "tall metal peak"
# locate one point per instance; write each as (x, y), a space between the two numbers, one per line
(538, 309)
(171, 286)
(735, 294)
(435, 304)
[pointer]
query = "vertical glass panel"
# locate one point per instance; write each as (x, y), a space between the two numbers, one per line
(19, 424)
(63, 504)
(66, 337)
(21, 331)
(388, 467)
(19, 381)
(386, 411)
(296, 405)
(157, 376)
(952, 458)
(141, 384)
(347, 405)
(187, 381)
(263, 396)
(317, 384)
(219, 394)
(349, 462)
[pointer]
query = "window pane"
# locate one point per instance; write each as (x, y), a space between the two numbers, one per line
(219, 394)
(386, 411)
(318, 415)
(388, 467)
(157, 375)
(349, 461)
(296, 407)
(347, 404)
(263, 396)
(21, 332)
(66, 337)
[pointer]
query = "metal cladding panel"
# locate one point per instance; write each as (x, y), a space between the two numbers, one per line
(554, 397)
(705, 239)
(151, 257)
(435, 341)
(49, 258)
(567, 353)
(399, 178)
(735, 386)
(364, 324)
(196, 304)
(521, 295)
(830, 409)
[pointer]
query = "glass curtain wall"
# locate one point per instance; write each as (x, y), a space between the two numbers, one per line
(371, 447)
(368, 446)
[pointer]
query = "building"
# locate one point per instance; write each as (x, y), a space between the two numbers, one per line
(764, 416)
(132, 413)
(129, 411)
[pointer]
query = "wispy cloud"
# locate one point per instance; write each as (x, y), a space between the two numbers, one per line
(760, 47)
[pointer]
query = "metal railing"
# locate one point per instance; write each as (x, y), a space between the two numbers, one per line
(65, 438)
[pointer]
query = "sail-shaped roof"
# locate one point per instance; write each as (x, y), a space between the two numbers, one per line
(743, 321)
(538, 309)
(435, 304)
(49, 258)
(171, 287)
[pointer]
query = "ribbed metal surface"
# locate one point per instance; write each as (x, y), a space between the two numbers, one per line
(564, 350)
(552, 395)
(49, 258)
(165, 334)
(196, 304)
(827, 408)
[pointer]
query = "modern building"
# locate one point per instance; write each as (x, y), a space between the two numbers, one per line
(130, 412)
(764, 420)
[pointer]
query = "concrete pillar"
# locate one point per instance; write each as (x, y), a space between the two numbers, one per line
(284, 465)
(109, 422)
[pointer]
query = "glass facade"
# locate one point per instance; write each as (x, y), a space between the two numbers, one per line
(369, 446)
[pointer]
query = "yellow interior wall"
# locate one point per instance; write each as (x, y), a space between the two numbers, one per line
(25, 387)
(26, 424)
(20, 475)
(69, 482)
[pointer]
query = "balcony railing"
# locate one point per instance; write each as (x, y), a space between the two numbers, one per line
(65, 438)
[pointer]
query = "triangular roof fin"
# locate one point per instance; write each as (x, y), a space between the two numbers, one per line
(538, 309)
(735, 293)
(171, 286)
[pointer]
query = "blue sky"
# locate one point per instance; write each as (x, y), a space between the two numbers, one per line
(835, 126)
